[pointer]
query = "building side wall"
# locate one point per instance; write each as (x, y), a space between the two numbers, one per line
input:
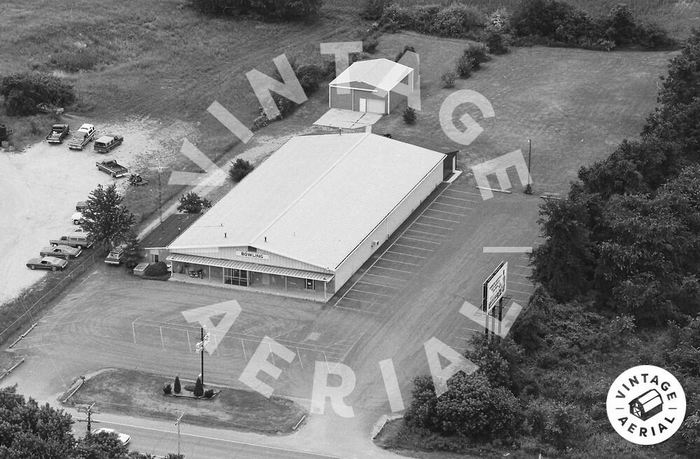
(230, 253)
(379, 95)
(340, 98)
(388, 225)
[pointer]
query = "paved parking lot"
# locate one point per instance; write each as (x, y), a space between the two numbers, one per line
(406, 253)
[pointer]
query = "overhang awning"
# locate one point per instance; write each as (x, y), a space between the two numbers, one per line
(254, 267)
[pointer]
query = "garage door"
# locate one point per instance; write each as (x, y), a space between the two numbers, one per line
(375, 106)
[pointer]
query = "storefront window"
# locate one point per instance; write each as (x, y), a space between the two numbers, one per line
(236, 277)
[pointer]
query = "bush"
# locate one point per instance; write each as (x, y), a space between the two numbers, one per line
(448, 79)
(456, 20)
(189, 387)
(373, 9)
(277, 9)
(369, 44)
(560, 425)
(192, 203)
(156, 269)
(260, 122)
(176, 386)
(209, 393)
(310, 77)
(409, 115)
(498, 21)
(476, 55)
(75, 61)
(464, 66)
(167, 389)
(240, 169)
(495, 43)
(24, 91)
(198, 388)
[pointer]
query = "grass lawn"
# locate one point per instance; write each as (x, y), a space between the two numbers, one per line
(135, 393)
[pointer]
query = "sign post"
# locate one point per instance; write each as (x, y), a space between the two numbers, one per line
(494, 288)
(201, 345)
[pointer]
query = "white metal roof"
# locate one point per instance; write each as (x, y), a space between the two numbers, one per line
(315, 199)
(379, 73)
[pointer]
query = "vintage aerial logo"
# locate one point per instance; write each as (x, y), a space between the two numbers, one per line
(646, 405)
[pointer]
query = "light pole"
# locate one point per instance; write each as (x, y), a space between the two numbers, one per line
(528, 187)
(200, 348)
(177, 423)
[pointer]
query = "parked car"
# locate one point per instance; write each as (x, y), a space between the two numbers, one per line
(80, 206)
(61, 251)
(116, 255)
(58, 133)
(123, 438)
(107, 143)
(81, 240)
(52, 263)
(112, 168)
(82, 137)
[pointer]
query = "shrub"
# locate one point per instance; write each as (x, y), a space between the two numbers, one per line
(476, 55)
(198, 388)
(192, 203)
(464, 66)
(239, 169)
(373, 9)
(498, 21)
(156, 269)
(448, 79)
(495, 43)
(457, 20)
(176, 386)
(260, 122)
(310, 77)
(167, 389)
(560, 425)
(209, 393)
(75, 61)
(24, 91)
(277, 9)
(409, 115)
(359, 57)
(369, 44)
(189, 387)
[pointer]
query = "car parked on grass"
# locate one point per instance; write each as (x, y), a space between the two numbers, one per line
(77, 218)
(107, 143)
(61, 251)
(112, 168)
(58, 133)
(123, 438)
(79, 239)
(80, 206)
(52, 263)
(82, 137)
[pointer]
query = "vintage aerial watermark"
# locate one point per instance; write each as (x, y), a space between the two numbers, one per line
(646, 405)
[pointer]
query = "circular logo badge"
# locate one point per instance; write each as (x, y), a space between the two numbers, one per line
(646, 405)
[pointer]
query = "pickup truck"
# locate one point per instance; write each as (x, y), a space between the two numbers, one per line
(116, 255)
(82, 137)
(58, 133)
(112, 168)
(77, 239)
(107, 143)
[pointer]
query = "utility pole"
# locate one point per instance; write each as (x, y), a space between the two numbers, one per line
(88, 410)
(528, 187)
(177, 423)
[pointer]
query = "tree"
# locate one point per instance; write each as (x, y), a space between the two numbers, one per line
(240, 169)
(176, 387)
(24, 91)
(103, 445)
(132, 251)
(198, 388)
(409, 115)
(105, 217)
(192, 203)
(272, 9)
(30, 430)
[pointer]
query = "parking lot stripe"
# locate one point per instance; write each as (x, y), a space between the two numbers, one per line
(456, 190)
(385, 277)
(414, 247)
(400, 262)
(441, 219)
(394, 269)
(434, 226)
(448, 213)
(361, 311)
(369, 293)
(451, 205)
(378, 285)
(429, 234)
(402, 253)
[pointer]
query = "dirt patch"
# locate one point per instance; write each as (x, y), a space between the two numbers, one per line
(140, 394)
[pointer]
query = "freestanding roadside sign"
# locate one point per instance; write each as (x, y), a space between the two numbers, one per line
(494, 288)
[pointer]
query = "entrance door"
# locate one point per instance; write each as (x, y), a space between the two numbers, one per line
(363, 105)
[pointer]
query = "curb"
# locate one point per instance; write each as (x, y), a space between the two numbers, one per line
(381, 422)
(12, 368)
(23, 335)
(79, 383)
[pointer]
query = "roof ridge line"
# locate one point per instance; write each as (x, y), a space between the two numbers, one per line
(311, 186)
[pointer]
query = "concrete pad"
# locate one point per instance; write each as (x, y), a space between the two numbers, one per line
(347, 119)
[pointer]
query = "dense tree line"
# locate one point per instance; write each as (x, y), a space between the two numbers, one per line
(24, 92)
(272, 9)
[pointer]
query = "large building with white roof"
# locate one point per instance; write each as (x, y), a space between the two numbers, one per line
(309, 216)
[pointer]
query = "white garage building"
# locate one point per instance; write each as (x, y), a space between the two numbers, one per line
(309, 216)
